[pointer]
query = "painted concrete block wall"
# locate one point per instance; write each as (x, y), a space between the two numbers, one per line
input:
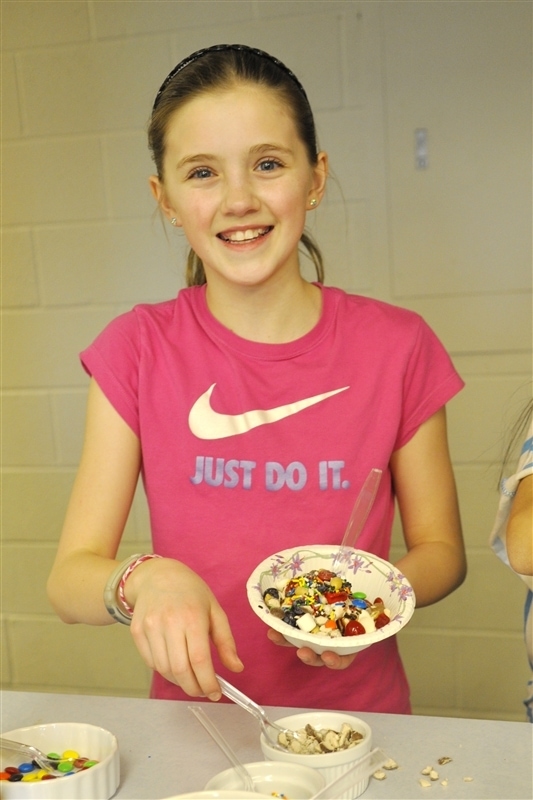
(81, 243)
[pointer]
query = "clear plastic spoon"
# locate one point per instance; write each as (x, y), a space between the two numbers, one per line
(361, 510)
(225, 746)
(34, 754)
(269, 728)
(364, 767)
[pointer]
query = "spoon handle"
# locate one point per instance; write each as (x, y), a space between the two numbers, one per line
(357, 773)
(241, 699)
(215, 734)
(358, 517)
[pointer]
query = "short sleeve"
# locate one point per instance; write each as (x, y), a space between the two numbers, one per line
(113, 361)
(430, 381)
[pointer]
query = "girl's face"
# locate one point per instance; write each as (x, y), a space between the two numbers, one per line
(238, 181)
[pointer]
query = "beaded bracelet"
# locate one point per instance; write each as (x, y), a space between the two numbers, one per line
(122, 612)
(126, 575)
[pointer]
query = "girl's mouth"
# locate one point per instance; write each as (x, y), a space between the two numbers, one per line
(244, 236)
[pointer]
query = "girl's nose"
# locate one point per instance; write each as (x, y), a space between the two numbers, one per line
(239, 197)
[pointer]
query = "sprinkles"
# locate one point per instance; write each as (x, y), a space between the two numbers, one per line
(321, 602)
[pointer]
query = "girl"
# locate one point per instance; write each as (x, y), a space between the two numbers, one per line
(254, 405)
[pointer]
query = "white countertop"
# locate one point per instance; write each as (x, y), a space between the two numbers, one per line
(165, 751)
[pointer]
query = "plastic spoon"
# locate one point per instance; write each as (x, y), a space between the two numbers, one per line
(269, 728)
(34, 754)
(360, 512)
(364, 767)
(225, 746)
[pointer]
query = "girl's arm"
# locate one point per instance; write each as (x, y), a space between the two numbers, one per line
(97, 512)
(519, 537)
(175, 613)
(435, 563)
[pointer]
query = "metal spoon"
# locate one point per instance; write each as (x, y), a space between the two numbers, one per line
(359, 515)
(225, 746)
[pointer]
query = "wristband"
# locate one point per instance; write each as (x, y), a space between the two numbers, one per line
(114, 588)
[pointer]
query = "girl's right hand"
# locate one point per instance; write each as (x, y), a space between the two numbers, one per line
(175, 616)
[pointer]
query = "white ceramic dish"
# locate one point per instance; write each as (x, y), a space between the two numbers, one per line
(299, 782)
(366, 572)
(330, 765)
(96, 783)
(222, 794)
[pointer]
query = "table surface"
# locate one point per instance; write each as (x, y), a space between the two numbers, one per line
(165, 751)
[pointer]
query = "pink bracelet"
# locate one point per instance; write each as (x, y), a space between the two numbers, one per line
(126, 575)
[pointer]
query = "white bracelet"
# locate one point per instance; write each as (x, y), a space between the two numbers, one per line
(121, 613)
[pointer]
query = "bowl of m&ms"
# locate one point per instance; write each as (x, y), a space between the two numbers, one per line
(343, 610)
(82, 763)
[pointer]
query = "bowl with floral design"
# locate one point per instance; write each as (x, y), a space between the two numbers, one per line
(371, 586)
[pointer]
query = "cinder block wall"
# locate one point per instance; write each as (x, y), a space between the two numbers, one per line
(81, 243)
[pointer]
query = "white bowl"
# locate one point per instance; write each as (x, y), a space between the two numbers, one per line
(330, 765)
(365, 571)
(96, 783)
(296, 781)
(226, 794)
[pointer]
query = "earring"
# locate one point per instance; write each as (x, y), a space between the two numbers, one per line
(173, 221)
(313, 202)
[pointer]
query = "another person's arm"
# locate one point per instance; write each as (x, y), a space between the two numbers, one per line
(519, 538)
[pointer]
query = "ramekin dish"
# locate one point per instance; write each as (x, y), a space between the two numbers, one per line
(297, 781)
(330, 765)
(99, 782)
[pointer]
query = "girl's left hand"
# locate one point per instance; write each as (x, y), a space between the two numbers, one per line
(312, 659)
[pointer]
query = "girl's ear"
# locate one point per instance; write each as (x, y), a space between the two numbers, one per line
(160, 195)
(320, 176)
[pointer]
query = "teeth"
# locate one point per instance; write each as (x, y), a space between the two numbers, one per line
(245, 236)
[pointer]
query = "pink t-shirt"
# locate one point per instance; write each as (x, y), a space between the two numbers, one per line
(251, 448)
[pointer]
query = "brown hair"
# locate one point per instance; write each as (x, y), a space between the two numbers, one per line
(222, 67)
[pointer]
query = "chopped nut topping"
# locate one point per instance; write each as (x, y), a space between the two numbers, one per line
(390, 764)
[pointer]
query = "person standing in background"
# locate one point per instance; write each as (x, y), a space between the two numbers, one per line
(512, 535)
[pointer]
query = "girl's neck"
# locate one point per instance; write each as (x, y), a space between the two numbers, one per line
(268, 314)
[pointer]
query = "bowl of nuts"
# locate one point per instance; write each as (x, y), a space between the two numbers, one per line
(327, 741)
(297, 593)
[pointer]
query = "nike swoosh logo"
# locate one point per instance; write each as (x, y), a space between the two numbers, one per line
(206, 423)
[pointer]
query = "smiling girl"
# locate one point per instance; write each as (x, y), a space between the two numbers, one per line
(253, 405)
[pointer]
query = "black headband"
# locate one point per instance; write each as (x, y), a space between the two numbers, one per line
(220, 47)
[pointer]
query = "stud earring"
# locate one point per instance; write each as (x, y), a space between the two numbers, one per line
(173, 221)
(313, 202)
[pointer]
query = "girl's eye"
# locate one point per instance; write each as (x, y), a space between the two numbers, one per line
(269, 165)
(201, 172)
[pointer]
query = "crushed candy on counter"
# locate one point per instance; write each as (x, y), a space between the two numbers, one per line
(312, 741)
(321, 602)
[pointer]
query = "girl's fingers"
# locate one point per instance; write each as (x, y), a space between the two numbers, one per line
(278, 639)
(309, 657)
(224, 642)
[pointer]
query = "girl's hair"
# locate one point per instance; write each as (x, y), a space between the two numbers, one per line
(224, 67)
(516, 435)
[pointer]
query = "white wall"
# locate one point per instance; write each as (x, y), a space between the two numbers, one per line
(81, 243)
